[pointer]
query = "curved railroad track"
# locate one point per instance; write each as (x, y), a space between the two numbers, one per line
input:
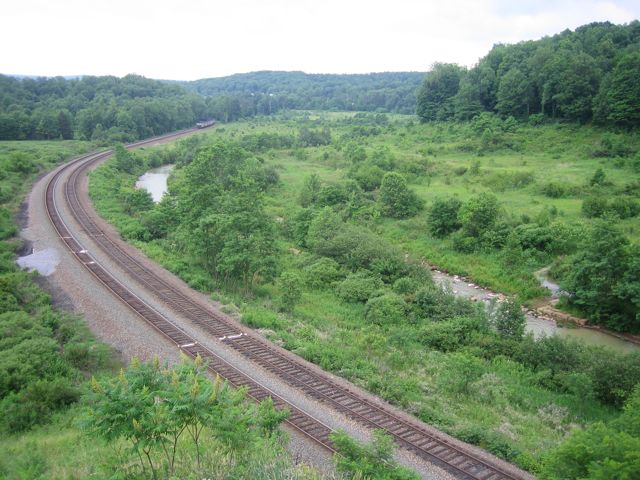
(410, 434)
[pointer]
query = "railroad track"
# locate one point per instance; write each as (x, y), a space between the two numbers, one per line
(410, 435)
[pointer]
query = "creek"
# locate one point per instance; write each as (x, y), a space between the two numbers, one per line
(536, 325)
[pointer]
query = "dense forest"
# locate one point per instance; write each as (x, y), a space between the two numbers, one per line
(590, 74)
(111, 109)
(104, 109)
(268, 92)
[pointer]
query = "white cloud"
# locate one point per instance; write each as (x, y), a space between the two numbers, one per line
(191, 39)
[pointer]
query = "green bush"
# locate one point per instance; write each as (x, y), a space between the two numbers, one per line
(389, 308)
(396, 199)
(374, 461)
(443, 216)
(450, 335)
(434, 303)
(34, 404)
(595, 206)
(322, 273)
(358, 287)
(290, 287)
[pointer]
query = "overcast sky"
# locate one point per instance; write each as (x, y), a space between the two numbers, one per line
(191, 39)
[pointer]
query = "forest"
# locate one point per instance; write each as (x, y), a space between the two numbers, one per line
(111, 109)
(586, 75)
(269, 92)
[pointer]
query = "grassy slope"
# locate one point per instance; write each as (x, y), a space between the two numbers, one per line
(496, 404)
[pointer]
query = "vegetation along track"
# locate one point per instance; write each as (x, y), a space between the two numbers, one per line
(411, 435)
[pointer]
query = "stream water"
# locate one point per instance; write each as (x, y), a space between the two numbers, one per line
(537, 326)
(155, 181)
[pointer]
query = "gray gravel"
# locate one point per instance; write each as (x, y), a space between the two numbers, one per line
(114, 323)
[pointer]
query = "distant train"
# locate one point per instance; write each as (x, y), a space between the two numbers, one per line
(205, 123)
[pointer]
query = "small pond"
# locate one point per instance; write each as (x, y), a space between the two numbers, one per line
(155, 181)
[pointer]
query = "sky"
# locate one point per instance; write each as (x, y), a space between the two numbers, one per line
(192, 39)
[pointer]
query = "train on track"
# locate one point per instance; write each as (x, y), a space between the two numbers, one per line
(205, 123)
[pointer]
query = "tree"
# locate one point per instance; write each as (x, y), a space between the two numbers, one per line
(289, 284)
(509, 321)
(443, 216)
(151, 407)
(396, 199)
(310, 190)
(223, 224)
(602, 274)
(618, 101)
(513, 94)
(479, 214)
(598, 178)
(435, 95)
(601, 451)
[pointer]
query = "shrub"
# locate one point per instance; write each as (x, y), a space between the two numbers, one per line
(443, 216)
(368, 176)
(594, 206)
(322, 273)
(434, 303)
(479, 214)
(553, 190)
(406, 285)
(357, 461)
(358, 287)
(449, 335)
(396, 199)
(291, 291)
(389, 308)
(625, 207)
(508, 320)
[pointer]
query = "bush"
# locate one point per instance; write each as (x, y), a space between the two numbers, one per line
(389, 308)
(358, 287)
(450, 335)
(406, 286)
(443, 217)
(479, 214)
(291, 290)
(357, 461)
(625, 207)
(353, 246)
(508, 320)
(35, 404)
(594, 206)
(368, 176)
(434, 303)
(396, 199)
(322, 273)
(554, 190)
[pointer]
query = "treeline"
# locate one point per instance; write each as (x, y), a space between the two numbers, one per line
(264, 93)
(586, 75)
(94, 108)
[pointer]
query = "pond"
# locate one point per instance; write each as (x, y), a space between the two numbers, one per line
(155, 181)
